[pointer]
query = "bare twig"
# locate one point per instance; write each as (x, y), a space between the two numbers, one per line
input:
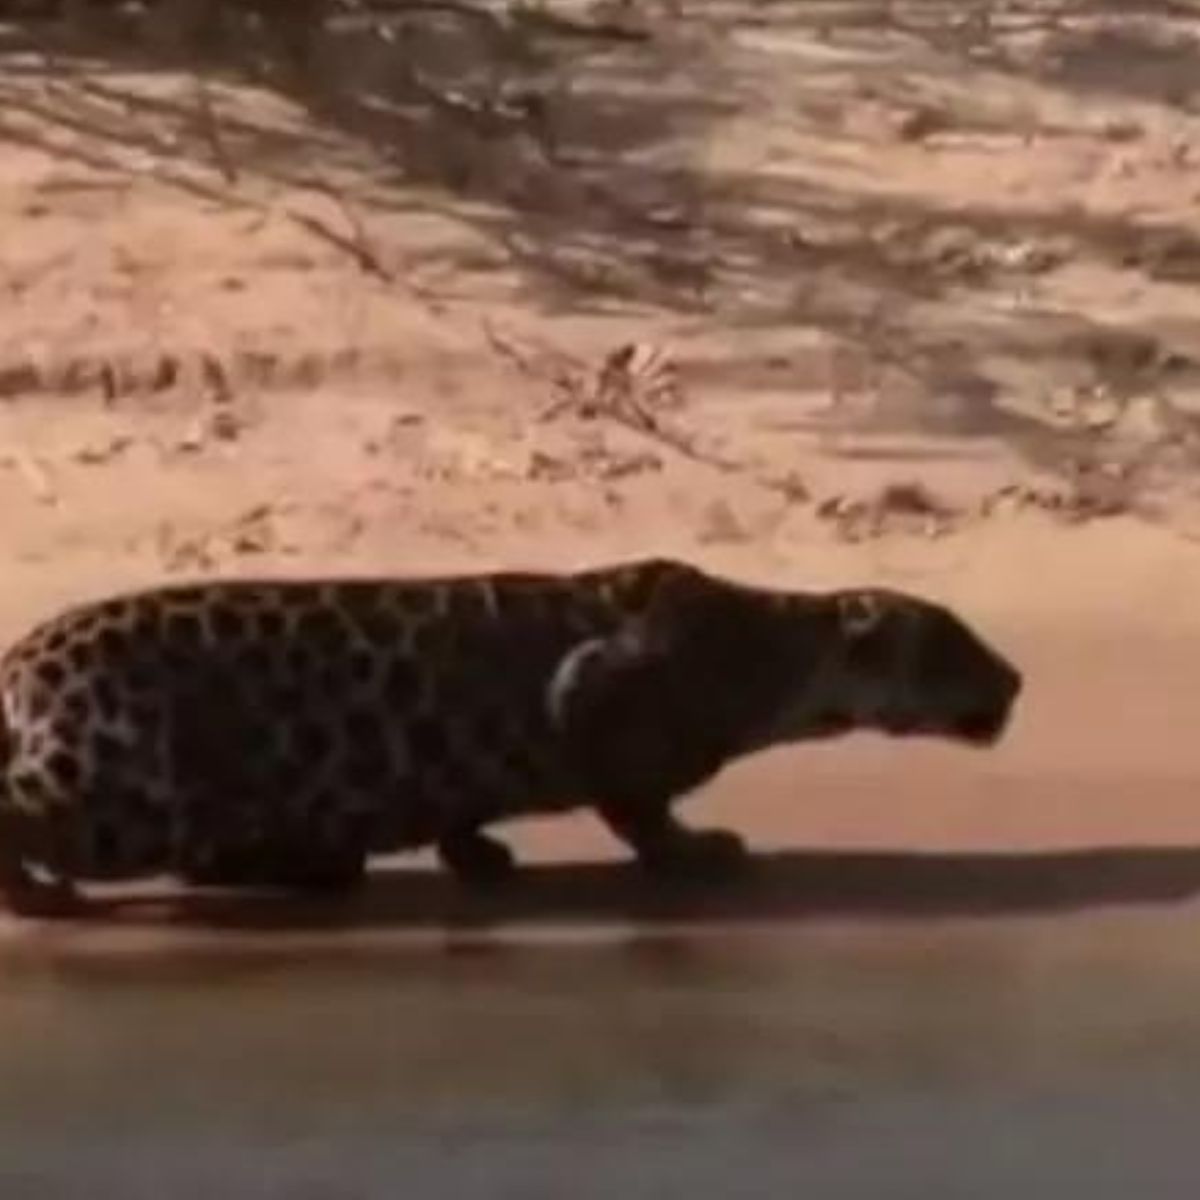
(358, 246)
(563, 373)
(210, 129)
(36, 473)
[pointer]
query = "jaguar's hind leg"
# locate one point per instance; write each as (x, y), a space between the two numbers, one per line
(476, 860)
(214, 866)
(321, 875)
(325, 870)
(284, 864)
(44, 839)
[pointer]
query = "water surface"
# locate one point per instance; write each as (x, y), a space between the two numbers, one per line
(989, 1057)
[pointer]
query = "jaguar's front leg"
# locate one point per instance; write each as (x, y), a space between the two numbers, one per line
(667, 849)
(638, 733)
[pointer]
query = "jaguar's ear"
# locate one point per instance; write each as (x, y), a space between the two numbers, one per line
(859, 613)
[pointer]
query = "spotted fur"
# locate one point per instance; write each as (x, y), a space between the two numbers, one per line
(280, 734)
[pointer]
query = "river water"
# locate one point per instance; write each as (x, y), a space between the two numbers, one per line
(923, 1057)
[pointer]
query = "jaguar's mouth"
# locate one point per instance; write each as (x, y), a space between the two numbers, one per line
(977, 727)
(982, 727)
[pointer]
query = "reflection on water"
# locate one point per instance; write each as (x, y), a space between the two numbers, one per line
(848, 1059)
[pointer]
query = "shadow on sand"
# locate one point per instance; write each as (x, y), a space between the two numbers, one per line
(782, 886)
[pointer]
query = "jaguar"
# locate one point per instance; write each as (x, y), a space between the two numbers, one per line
(281, 734)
